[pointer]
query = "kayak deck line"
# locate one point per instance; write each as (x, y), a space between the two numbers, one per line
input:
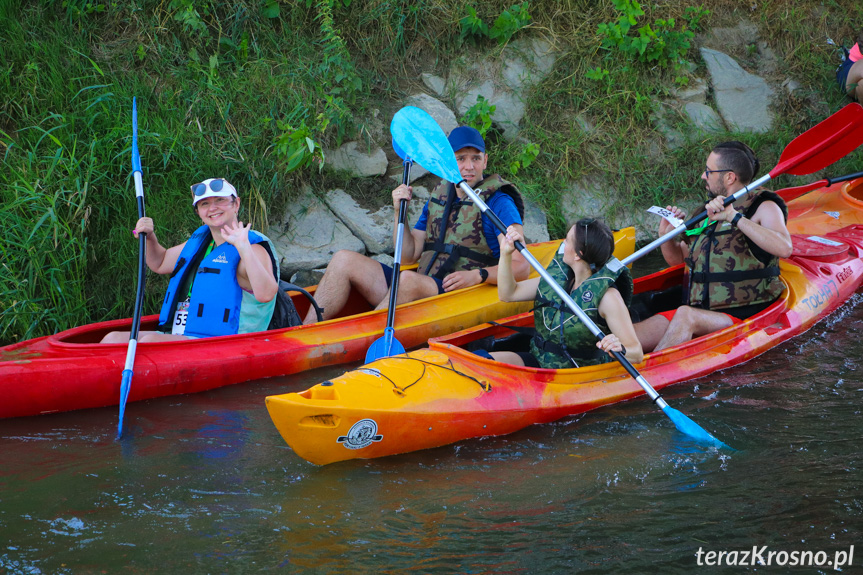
(823, 272)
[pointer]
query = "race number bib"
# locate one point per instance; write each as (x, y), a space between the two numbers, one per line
(666, 214)
(179, 326)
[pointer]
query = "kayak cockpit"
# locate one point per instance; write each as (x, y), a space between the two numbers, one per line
(655, 293)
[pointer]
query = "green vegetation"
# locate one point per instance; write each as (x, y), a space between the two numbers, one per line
(510, 21)
(256, 90)
(661, 43)
(479, 115)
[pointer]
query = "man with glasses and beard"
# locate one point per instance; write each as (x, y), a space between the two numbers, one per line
(224, 278)
(732, 261)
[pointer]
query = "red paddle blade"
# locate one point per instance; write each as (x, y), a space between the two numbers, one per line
(823, 144)
(789, 194)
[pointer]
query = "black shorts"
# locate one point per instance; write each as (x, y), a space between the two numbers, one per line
(388, 274)
(842, 77)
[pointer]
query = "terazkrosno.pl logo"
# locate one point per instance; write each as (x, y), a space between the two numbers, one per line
(361, 434)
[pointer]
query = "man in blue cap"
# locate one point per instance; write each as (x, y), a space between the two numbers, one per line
(455, 244)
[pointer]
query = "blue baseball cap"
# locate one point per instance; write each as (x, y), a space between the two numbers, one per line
(466, 137)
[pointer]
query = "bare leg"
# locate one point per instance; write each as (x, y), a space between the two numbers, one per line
(346, 271)
(650, 331)
(854, 82)
(143, 336)
(412, 286)
(692, 322)
(509, 357)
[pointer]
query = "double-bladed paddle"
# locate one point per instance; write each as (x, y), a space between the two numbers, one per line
(388, 344)
(789, 194)
(126, 384)
(813, 150)
(419, 135)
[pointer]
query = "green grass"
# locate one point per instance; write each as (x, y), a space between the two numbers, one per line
(216, 79)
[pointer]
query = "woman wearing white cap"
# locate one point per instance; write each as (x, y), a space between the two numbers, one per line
(224, 278)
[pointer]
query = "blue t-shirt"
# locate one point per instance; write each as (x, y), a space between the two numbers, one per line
(500, 203)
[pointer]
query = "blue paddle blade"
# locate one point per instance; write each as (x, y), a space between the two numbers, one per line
(407, 161)
(692, 429)
(416, 133)
(124, 395)
(398, 150)
(385, 346)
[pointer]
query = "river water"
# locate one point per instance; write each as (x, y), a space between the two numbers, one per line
(204, 484)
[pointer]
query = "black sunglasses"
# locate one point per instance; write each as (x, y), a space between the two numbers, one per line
(708, 171)
(216, 185)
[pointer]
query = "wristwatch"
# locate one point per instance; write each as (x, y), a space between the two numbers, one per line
(736, 219)
(483, 275)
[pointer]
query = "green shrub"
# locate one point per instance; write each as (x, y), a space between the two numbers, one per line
(525, 158)
(472, 26)
(509, 22)
(479, 115)
(504, 28)
(297, 145)
(662, 43)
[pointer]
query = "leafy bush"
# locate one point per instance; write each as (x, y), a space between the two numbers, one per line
(298, 147)
(525, 158)
(186, 12)
(662, 43)
(599, 74)
(479, 115)
(509, 22)
(472, 26)
(504, 28)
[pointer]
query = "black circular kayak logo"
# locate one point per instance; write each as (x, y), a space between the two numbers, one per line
(361, 434)
(587, 296)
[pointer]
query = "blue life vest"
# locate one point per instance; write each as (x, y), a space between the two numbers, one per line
(215, 301)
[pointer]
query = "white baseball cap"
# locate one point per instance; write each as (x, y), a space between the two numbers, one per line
(212, 188)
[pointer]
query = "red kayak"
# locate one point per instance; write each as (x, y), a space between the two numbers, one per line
(71, 370)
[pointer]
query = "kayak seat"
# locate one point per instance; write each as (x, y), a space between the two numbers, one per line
(517, 342)
(647, 304)
(285, 313)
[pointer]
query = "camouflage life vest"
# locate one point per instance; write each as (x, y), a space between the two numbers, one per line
(726, 270)
(561, 340)
(459, 244)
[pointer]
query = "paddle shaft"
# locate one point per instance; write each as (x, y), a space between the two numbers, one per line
(137, 176)
(142, 254)
(142, 257)
(594, 329)
(400, 232)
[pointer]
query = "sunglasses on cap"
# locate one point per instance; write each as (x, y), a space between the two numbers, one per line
(216, 185)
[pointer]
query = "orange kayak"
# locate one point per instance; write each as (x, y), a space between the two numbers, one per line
(445, 393)
(71, 370)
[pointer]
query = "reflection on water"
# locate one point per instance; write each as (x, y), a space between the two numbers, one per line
(204, 483)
